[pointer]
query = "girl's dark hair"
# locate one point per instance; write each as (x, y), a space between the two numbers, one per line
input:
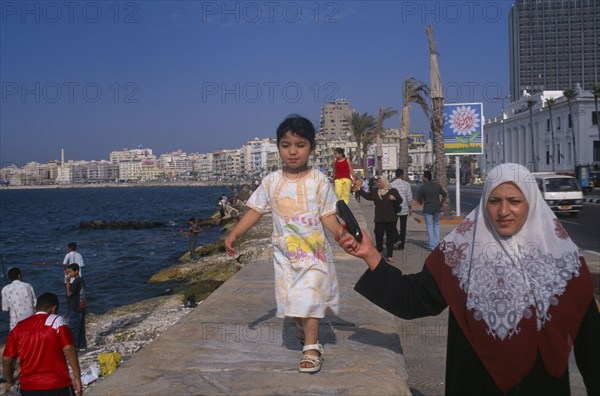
(339, 150)
(300, 126)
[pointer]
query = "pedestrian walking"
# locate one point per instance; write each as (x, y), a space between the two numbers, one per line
(342, 175)
(387, 202)
(405, 192)
(429, 196)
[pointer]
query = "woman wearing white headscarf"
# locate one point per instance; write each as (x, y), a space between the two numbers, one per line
(519, 293)
(385, 199)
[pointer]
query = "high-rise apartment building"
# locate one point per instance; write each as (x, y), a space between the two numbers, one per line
(334, 122)
(554, 45)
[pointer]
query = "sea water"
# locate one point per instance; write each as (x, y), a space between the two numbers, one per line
(37, 224)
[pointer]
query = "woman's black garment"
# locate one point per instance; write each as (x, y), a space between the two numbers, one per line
(417, 295)
(385, 218)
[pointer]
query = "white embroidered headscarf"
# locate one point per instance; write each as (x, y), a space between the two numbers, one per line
(509, 278)
(386, 186)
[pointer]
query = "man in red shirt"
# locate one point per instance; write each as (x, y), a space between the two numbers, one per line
(43, 343)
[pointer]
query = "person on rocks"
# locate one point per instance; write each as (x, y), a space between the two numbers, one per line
(77, 305)
(72, 257)
(520, 295)
(18, 298)
(44, 345)
(192, 234)
(302, 203)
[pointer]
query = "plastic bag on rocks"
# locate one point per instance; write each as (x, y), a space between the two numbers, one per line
(90, 374)
(109, 362)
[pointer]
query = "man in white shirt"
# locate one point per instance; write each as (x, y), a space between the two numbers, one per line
(18, 298)
(73, 257)
(405, 191)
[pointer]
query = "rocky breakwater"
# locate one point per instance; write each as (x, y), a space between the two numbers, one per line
(128, 329)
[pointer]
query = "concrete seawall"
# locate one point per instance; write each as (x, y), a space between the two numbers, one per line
(233, 344)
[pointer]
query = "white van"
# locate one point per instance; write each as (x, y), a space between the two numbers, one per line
(562, 193)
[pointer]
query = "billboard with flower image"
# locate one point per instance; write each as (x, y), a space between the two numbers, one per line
(463, 128)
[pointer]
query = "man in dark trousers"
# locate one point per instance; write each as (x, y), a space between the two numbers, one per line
(192, 234)
(429, 196)
(77, 304)
(43, 343)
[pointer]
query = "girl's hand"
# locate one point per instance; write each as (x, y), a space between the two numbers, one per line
(229, 245)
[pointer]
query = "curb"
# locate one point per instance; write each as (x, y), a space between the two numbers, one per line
(591, 200)
(455, 220)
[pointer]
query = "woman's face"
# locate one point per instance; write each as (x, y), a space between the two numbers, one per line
(380, 183)
(507, 209)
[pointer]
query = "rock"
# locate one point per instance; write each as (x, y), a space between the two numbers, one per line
(119, 224)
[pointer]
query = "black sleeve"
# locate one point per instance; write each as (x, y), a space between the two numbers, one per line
(76, 286)
(366, 195)
(587, 349)
(406, 296)
(397, 196)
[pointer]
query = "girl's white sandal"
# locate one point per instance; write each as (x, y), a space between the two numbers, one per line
(316, 361)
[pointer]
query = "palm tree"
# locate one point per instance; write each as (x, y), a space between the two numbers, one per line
(361, 125)
(530, 104)
(414, 92)
(550, 102)
(596, 93)
(570, 94)
(383, 115)
(437, 116)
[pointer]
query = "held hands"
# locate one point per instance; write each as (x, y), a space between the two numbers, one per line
(364, 250)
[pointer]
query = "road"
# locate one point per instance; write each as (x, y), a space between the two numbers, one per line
(583, 229)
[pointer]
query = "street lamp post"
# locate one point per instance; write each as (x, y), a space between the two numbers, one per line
(502, 98)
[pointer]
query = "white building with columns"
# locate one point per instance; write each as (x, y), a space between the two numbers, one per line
(509, 138)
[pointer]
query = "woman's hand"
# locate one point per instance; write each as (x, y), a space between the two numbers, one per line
(364, 249)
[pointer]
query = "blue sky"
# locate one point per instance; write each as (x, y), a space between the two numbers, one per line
(96, 76)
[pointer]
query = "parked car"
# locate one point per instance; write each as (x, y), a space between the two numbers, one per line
(562, 193)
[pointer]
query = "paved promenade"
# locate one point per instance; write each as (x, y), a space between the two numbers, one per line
(233, 344)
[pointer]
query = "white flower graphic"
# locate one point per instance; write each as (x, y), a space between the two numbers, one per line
(464, 120)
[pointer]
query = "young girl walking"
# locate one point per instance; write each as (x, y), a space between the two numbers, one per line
(302, 202)
(342, 174)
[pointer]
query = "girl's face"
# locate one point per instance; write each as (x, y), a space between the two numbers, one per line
(294, 151)
(507, 209)
(337, 155)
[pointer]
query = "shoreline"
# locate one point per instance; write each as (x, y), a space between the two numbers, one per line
(195, 183)
(129, 328)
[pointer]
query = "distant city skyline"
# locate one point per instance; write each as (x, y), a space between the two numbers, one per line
(202, 76)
